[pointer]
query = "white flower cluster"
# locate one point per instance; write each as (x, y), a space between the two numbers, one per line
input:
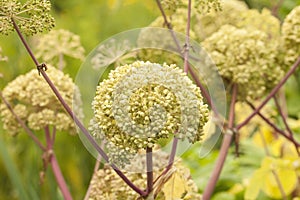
(143, 102)
(53, 46)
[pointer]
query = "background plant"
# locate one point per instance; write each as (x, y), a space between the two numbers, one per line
(224, 186)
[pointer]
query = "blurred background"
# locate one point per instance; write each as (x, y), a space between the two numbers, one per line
(94, 21)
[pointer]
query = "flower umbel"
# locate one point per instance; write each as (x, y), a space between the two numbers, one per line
(34, 102)
(32, 17)
(53, 46)
(143, 102)
(245, 57)
(291, 36)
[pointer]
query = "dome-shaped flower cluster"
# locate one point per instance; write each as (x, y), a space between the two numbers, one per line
(291, 36)
(206, 24)
(104, 182)
(53, 46)
(32, 17)
(245, 57)
(34, 102)
(143, 102)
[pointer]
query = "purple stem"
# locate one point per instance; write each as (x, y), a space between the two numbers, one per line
(271, 94)
(202, 88)
(149, 170)
(224, 149)
(22, 123)
(187, 39)
(72, 115)
(59, 178)
(281, 132)
(286, 124)
(168, 24)
(55, 167)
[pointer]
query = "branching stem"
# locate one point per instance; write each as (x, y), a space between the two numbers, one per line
(271, 94)
(42, 69)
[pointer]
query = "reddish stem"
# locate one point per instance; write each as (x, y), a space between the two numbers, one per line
(271, 94)
(22, 123)
(55, 167)
(187, 39)
(224, 149)
(281, 132)
(59, 178)
(149, 170)
(72, 115)
(285, 123)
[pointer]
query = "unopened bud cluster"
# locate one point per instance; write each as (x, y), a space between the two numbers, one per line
(143, 102)
(245, 57)
(53, 46)
(34, 102)
(32, 16)
(291, 36)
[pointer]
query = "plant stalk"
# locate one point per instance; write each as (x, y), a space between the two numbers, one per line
(224, 149)
(71, 114)
(271, 94)
(22, 123)
(149, 162)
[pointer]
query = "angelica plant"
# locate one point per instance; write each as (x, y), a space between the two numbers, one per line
(142, 103)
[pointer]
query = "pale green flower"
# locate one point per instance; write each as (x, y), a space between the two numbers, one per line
(32, 16)
(54, 46)
(143, 102)
(35, 103)
(291, 36)
(263, 21)
(206, 24)
(104, 182)
(245, 57)
(205, 6)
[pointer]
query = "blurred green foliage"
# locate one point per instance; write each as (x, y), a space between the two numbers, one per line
(94, 21)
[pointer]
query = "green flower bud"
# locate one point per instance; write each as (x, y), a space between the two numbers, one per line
(53, 46)
(245, 57)
(291, 36)
(143, 102)
(32, 17)
(34, 102)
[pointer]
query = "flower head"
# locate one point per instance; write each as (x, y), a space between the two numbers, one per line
(34, 102)
(291, 36)
(245, 57)
(143, 102)
(32, 17)
(53, 46)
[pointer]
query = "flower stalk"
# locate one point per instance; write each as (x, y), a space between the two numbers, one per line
(271, 94)
(228, 134)
(41, 69)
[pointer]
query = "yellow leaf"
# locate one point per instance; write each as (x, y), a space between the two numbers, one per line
(287, 178)
(264, 134)
(175, 187)
(255, 185)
